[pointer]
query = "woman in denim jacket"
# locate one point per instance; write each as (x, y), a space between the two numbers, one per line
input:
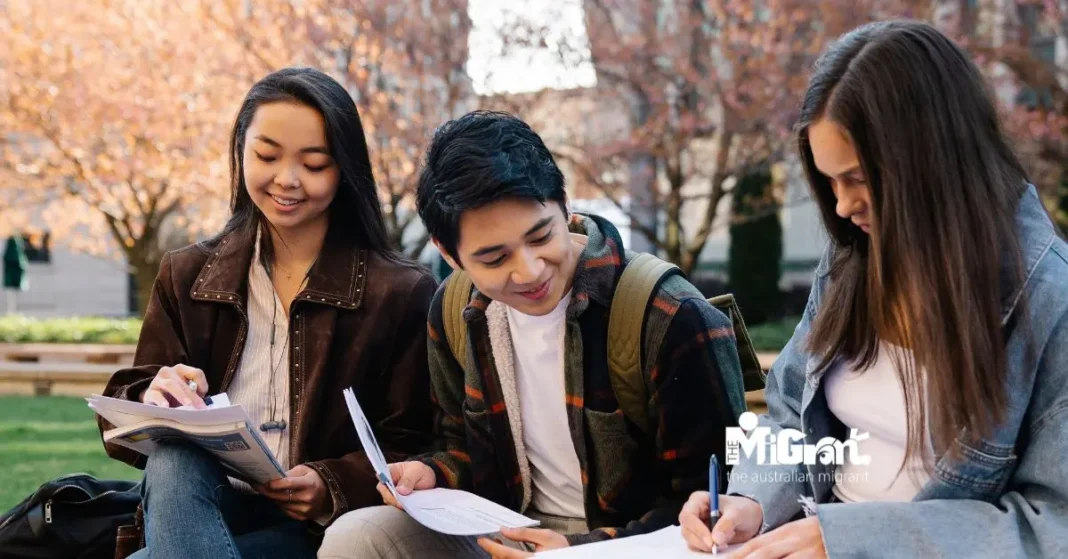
(935, 341)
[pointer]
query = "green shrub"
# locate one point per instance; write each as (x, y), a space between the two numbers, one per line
(772, 336)
(84, 330)
(754, 258)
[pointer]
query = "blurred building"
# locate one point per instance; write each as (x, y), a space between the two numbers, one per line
(64, 282)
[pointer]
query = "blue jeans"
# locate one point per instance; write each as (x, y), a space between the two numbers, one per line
(192, 511)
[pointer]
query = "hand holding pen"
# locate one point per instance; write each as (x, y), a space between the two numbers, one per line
(735, 520)
(180, 385)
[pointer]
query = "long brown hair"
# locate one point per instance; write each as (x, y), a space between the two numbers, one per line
(945, 186)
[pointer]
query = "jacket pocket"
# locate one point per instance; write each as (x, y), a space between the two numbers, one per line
(610, 451)
(477, 428)
(983, 470)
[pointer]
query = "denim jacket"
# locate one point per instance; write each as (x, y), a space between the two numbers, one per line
(1008, 494)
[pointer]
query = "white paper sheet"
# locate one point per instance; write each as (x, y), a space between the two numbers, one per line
(662, 544)
(448, 511)
(217, 401)
(124, 412)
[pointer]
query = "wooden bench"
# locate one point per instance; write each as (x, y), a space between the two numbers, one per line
(110, 354)
(42, 368)
(43, 379)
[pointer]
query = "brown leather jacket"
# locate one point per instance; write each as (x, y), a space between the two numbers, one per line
(360, 323)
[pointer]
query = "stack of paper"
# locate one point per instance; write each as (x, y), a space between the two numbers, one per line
(222, 429)
(448, 511)
(662, 544)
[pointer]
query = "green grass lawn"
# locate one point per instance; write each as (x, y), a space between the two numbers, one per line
(42, 438)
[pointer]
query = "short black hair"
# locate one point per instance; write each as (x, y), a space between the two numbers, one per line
(477, 159)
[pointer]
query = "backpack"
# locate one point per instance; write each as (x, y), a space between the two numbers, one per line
(74, 516)
(643, 274)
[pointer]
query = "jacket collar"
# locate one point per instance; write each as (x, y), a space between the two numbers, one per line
(338, 278)
(596, 273)
(600, 264)
(1036, 235)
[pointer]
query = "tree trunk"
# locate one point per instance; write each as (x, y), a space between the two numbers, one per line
(144, 272)
(674, 236)
(641, 184)
(143, 258)
(642, 167)
(692, 254)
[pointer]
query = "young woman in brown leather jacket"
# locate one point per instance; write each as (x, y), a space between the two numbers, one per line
(297, 299)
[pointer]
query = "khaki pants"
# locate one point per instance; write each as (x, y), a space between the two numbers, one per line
(388, 533)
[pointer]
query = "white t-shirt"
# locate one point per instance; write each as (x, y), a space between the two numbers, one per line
(556, 476)
(873, 401)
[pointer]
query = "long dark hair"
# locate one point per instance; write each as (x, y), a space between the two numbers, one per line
(945, 186)
(355, 212)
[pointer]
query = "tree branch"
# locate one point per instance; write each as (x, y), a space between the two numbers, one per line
(591, 178)
(244, 40)
(697, 245)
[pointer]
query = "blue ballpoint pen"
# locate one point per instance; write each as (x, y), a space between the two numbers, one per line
(713, 495)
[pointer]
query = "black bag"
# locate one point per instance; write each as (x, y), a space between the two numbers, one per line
(75, 516)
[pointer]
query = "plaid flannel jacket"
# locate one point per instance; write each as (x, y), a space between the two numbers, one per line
(633, 483)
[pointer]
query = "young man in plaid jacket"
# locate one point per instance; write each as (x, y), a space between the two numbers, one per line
(531, 421)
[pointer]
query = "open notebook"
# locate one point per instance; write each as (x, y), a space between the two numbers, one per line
(222, 429)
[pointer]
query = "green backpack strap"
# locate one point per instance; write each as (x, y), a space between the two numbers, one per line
(753, 376)
(626, 316)
(457, 296)
(642, 275)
